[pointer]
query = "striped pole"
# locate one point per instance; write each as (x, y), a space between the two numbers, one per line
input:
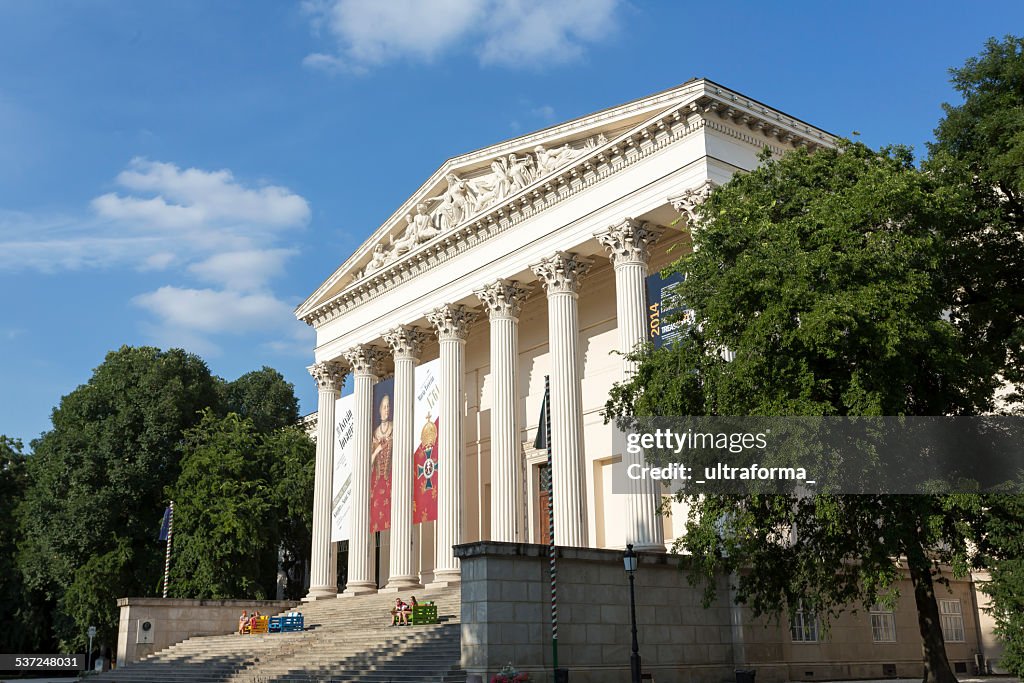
(551, 527)
(167, 556)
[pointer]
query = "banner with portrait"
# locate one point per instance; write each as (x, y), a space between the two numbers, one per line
(426, 421)
(341, 497)
(381, 443)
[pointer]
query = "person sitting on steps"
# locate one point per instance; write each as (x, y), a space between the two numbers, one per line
(400, 613)
(243, 621)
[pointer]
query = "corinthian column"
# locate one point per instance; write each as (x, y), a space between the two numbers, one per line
(406, 343)
(561, 275)
(628, 244)
(503, 300)
(323, 581)
(452, 325)
(365, 364)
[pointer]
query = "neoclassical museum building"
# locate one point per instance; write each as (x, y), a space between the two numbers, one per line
(534, 258)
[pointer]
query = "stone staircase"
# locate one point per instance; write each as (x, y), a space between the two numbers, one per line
(346, 641)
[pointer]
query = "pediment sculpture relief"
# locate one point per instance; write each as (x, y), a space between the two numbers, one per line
(464, 198)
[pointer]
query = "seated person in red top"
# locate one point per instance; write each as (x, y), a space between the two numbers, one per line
(400, 613)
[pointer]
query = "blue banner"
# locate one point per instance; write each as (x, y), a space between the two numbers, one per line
(166, 524)
(666, 313)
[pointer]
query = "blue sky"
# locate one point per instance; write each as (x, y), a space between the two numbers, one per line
(185, 173)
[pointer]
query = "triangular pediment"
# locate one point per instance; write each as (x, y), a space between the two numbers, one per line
(511, 174)
(469, 184)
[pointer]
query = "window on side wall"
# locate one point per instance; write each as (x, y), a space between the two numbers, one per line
(883, 624)
(803, 626)
(952, 620)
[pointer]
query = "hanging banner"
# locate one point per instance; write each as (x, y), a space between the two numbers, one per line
(341, 499)
(380, 455)
(426, 421)
(666, 313)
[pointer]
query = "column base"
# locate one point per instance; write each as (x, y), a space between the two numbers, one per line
(446, 579)
(400, 584)
(320, 593)
(354, 589)
(650, 548)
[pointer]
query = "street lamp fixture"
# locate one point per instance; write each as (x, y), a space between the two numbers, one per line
(629, 562)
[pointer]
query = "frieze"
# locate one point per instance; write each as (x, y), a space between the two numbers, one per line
(592, 165)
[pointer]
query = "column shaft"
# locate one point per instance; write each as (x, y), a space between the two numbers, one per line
(628, 245)
(364, 362)
(503, 300)
(323, 583)
(561, 275)
(452, 325)
(406, 342)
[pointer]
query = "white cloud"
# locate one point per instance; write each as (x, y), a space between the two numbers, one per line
(170, 215)
(242, 270)
(511, 33)
(209, 310)
(190, 222)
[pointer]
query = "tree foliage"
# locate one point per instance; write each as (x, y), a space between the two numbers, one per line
(827, 275)
(97, 481)
(93, 492)
(263, 396)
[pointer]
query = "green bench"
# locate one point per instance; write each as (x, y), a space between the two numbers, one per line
(425, 613)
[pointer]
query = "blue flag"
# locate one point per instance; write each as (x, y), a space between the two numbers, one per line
(165, 527)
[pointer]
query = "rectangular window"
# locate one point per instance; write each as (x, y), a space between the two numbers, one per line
(883, 625)
(804, 626)
(952, 621)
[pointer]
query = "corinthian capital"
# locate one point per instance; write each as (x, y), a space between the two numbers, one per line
(451, 322)
(406, 341)
(688, 202)
(328, 375)
(503, 299)
(365, 360)
(629, 241)
(561, 273)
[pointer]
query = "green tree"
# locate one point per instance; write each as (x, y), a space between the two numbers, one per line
(96, 487)
(226, 535)
(243, 504)
(263, 396)
(826, 274)
(979, 145)
(292, 455)
(13, 607)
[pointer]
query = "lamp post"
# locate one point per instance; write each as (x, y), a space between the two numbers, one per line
(629, 560)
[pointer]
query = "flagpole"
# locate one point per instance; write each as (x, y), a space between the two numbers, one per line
(167, 556)
(551, 525)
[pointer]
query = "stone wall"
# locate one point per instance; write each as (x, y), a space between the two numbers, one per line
(506, 619)
(176, 620)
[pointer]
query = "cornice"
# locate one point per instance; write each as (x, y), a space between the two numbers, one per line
(723, 111)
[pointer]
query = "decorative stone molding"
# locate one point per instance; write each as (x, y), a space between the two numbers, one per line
(719, 109)
(451, 322)
(406, 341)
(688, 202)
(562, 273)
(503, 298)
(365, 360)
(629, 241)
(328, 375)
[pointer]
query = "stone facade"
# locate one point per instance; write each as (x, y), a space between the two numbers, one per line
(506, 618)
(175, 620)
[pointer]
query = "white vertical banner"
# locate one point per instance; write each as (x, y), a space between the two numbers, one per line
(341, 500)
(427, 421)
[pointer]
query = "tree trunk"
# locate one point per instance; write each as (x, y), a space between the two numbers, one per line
(936, 664)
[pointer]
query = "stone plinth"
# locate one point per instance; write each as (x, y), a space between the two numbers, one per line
(175, 620)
